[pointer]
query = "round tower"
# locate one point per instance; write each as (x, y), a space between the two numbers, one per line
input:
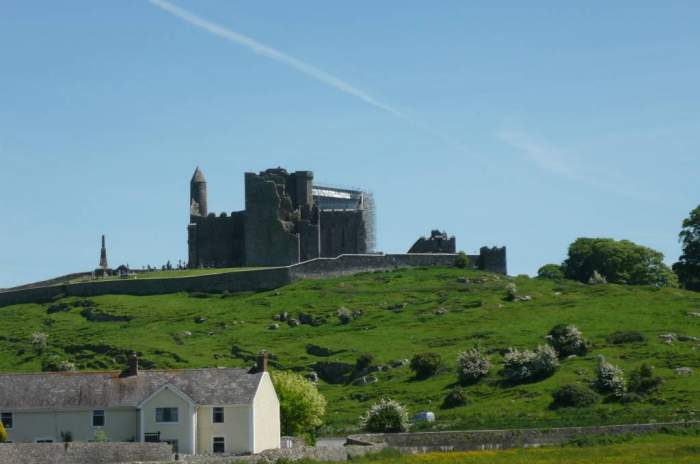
(198, 194)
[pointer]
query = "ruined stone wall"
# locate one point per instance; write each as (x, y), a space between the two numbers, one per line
(342, 232)
(217, 241)
(84, 453)
(270, 241)
(493, 259)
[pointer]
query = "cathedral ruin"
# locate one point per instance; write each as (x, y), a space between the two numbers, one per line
(287, 219)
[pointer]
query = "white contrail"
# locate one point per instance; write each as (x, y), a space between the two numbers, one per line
(276, 55)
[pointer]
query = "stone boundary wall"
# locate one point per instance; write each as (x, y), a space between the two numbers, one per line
(422, 442)
(353, 264)
(83, 453)
(321, 454)
(236, 281)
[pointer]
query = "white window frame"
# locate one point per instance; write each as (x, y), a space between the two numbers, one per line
(104, 419)
(169, 422)
(12, 418)
(213, 414)
(223, 442)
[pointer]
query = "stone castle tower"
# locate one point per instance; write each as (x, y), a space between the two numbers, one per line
(198, 194)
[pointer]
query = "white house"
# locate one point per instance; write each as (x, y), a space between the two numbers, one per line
(198, 411)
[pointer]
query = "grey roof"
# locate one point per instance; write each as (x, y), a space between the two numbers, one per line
(57, 390)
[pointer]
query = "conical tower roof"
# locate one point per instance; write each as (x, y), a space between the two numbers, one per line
(198, 176)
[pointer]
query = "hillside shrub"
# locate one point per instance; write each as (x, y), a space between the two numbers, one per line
(643, 381)
(363, 361)
(622, 337)
(462, 260)
(568, 340)
(40, 340)
(344, 315)
(610, 379)
(573, 396)
(511, 292)
(472, 365)
(455, 398)
(550, 271)
(386, 416)
(3, 433)
(302, 407)
(619, 262)
(425, 365)
(529, 366)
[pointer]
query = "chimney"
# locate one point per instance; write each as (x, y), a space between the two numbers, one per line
(132, 366)
(261, 362)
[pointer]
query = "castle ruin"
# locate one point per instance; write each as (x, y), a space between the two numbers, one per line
(286, 220)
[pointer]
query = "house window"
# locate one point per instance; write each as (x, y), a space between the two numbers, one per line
(166, 415)
(98, 418)
(218, 416)
(219, 445)
(7, 420)
(153, 437)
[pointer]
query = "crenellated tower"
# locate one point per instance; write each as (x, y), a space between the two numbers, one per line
(198, 194)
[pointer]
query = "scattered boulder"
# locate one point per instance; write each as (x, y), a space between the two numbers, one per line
(333, 372)
(200, 320)
(397, 307)
(400, 363)
(356, 314)
(320, 351)
(524, 298)
(312, 376)
(462, 280)
(187, 333)
(58, 308)
(274, 326)
(291, 322)
(668, 338)
(687, 338)
(683, 371)
(313, 321)
(366, 380)
(440, 311)
(694, 314)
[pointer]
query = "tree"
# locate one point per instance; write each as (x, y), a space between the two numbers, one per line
(621, 262)
(302, 407)
(550, 271)
(688, 266)
(3, 433)
(462, 260)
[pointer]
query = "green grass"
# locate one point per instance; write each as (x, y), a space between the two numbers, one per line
(172, 274)
(650, 449)
(236, 327)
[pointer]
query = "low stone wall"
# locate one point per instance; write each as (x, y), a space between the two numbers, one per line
(236, 281)
(422, 442)
(83, 453)
(353, 264)
(321, 454)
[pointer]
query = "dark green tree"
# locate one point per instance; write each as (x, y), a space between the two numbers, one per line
(621, 262)
(688, 266)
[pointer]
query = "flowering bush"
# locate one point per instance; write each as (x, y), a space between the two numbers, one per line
(609, 379)
(528, 366)
(567, 340)
(597, 279)
(472, 365)
(344, 315)
(40, 340)
(511, 292)
(386, 416)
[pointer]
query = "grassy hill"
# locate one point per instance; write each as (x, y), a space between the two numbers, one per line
(403, 313)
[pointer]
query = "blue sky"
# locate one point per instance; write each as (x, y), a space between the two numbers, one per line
(524, 126)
